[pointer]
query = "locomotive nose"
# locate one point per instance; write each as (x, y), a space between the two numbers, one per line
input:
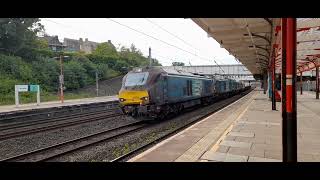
(127, 97)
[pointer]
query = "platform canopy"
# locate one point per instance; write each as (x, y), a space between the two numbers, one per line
(253, 40)
(308, 43)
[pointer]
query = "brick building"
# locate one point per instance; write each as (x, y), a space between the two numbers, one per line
(80, 45)
(72, 45)
(53, 42)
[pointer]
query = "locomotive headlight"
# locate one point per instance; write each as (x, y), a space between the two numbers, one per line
(145, 98)
(122, 100)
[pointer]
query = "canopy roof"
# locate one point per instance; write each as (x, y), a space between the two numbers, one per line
(253, 40)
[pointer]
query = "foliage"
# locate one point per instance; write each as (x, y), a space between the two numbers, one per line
(17, 34)
(7, 84)
(88, 65)
(155, 62)
(177, 64)
(15, 67)
(106, 49)
(26, 59)
(75, 75)
(41, 44)
(46, 73)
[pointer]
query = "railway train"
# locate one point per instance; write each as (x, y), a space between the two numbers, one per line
(155, 92)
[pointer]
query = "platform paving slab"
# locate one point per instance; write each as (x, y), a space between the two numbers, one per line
(236, 144)
(258, 159)
(208, 132)
(254, 134)
(223, 157)
(200, 147)
(267, 141)
(239, 134)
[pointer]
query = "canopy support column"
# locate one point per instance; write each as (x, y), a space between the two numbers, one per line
(273, 74)
(301, 83)
(265, 83)
(317, 82)
(289, 111)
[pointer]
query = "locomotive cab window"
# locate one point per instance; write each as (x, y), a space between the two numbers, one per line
(136, 79)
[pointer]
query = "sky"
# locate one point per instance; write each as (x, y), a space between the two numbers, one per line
(172, 39)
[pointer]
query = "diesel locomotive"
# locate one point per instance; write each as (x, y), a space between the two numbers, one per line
(155, 92)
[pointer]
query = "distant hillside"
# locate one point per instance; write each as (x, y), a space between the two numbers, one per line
(108, 87)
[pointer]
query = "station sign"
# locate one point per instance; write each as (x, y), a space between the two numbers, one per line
(34, 88)
(22, 88)
(26, 88)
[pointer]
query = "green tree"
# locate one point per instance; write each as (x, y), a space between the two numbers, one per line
(133, 57)
(74, 75)
(88, 65)
(105, 49)
(15, 67)
(17, 34)
(46, 72)
(155, 62)
(41, 44)
(133, 49)
(177, 64)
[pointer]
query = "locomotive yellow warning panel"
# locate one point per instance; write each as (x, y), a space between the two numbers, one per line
(133, 97)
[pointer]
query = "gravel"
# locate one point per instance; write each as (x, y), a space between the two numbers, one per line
(51, 123)
(15, 146)
(107, 151)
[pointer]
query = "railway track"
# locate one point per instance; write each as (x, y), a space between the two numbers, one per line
(19, 129)
(58, 150)
(149, 144)
(64, 149)
(13, 125)
(54, 112)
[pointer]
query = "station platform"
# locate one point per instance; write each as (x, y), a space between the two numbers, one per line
(51, 104)
(245, 131)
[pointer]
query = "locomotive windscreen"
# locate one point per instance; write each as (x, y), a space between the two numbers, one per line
(136, 79)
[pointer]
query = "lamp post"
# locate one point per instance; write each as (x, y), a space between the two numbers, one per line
(97, 83)
(61, 77)
(58, 48)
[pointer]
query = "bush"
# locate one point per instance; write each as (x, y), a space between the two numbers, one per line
(15, 67)
(74, 75)
(7, 85)
(105, 72)
(35, 65)
(99, 59)
(46, 73)
(89, 66)
(7, 91)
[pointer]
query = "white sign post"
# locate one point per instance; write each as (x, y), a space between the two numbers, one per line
(38, 95)
(26, 88)
(16, 92)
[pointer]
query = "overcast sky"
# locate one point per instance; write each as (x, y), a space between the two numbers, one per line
(194, 39)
